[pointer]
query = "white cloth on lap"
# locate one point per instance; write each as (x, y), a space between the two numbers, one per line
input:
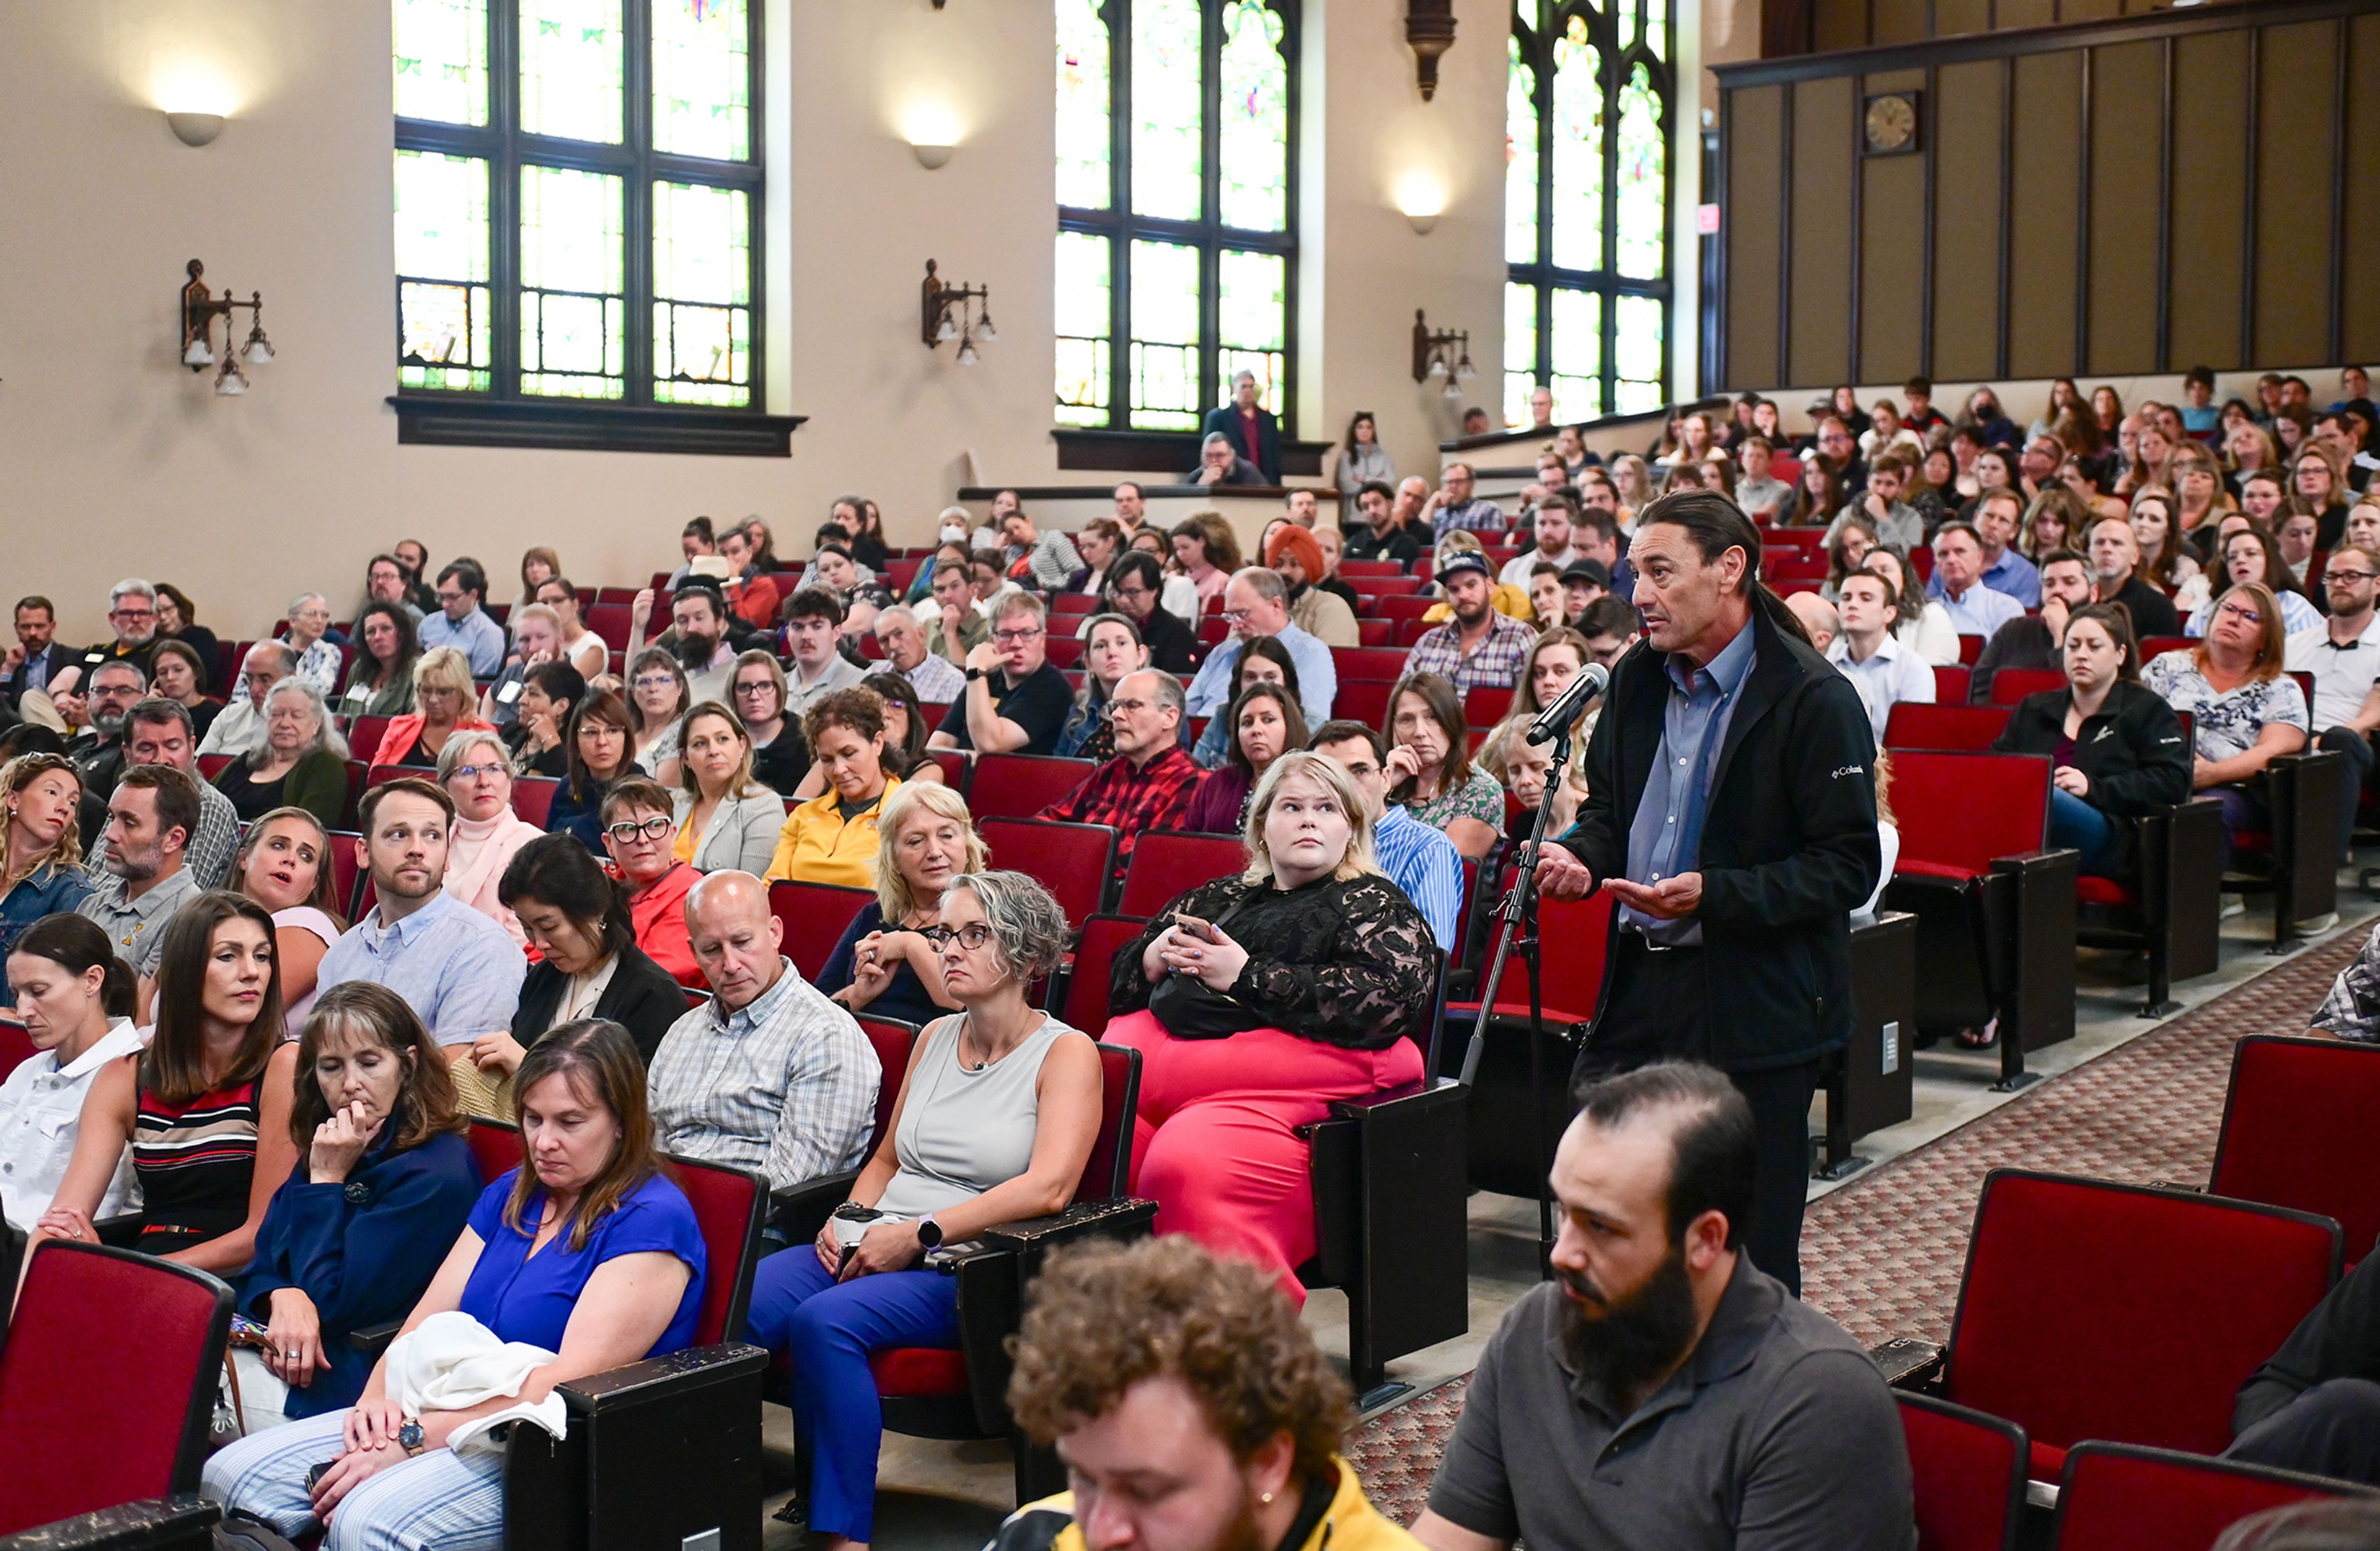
(451, 1362)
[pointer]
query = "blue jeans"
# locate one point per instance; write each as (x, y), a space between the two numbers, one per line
(2075, 824)
(829, 1327)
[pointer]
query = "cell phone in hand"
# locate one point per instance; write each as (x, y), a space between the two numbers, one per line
(1204, 931)
(314, 1476)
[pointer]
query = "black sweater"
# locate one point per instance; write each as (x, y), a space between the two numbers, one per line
(2340, 1339)
(2134, 751)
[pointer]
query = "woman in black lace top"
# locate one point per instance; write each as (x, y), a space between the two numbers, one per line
(1258, 1000)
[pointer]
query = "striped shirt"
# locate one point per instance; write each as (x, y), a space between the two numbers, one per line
(1423, 862)
(786, 1085)
(195, 1163)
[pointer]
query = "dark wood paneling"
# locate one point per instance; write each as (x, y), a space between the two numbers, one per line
(1839, 24)
(2359, 300)
(2210, 170)
(2127, 131)
(1899, 21)
(1892, 251)
(2009, 15)
(2089, 10)
(1952, 17)
(1825, 125)
(1965, 126)
(2045, 175)
(2295, 94)
(1754, 175)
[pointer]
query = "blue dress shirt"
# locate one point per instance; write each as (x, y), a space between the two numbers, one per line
(1318, 676)
(456, 968)
(1666, 837)
(478, 638)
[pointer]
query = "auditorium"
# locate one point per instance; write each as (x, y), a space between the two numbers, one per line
(1190, 775)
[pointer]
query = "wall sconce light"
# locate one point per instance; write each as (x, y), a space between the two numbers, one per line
(1430, 32)
(1443, 352)
(195, 128)
(1421, 196)
(200, 308)
(948, 312)
(932, 156)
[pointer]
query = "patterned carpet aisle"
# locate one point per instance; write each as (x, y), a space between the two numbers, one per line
(1884, 1253)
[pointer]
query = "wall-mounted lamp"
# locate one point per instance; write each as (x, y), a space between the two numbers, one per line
(1443, 352)
(930, 157)
(1421, 196)
(200, 308)
(195, 128)
(960, 313)
(1430, 32)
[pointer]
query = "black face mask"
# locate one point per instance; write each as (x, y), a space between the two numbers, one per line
(1639, 1337)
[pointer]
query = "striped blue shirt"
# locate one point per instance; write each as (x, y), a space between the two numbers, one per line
(1423, 862)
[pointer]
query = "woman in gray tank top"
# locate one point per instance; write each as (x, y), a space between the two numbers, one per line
(995, 1120)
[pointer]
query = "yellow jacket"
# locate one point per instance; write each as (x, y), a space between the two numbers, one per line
(818, 846)
(1350, 1524)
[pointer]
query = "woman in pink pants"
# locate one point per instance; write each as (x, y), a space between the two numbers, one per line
(1257, 1000)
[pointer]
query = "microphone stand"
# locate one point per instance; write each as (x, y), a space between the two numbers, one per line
(1519, 932)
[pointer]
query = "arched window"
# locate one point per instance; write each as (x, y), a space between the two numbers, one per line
(1586, 207)
(578, 200)
(1177, 198)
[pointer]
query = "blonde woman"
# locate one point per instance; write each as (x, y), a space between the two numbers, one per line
(725, 818)
(40, 847)
(885, 963)
(444, 698)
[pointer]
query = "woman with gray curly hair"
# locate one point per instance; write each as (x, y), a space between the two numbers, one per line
(299, 762)
(996, 1118)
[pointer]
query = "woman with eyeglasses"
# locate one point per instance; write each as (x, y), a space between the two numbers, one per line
(2253, 555)
(995, 1121)
(445, 702)
(725, 818)
(907, 729)
(885, 964)
(639, 819)
(478, 774)
(41, 847)
(596, 738)
(658, 696)
(779, 758)
(832, 837)
(2245, 709)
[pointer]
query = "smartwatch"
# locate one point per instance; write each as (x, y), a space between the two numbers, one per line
(409, 1437)
(929, 1233)
(973, 674)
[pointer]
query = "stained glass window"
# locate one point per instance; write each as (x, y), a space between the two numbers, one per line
(1177, 197)
(551, 243)
(1587, 205)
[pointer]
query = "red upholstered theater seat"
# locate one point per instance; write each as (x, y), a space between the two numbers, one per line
(2120, 1498)
(1944, 728)
(1019, 785)
(1969, 1471)
(1957, 812)
(2011, 685)
(917, 1372)
(1084, 1005)
(1071, 861)
(1165, 865)
(1950, 686)
(814, 916)
(497, 1146)
(1970, 648)
(1384, 665)
(16, 1046)
(1364, 700)
(2105, 891)
(2302, 1130)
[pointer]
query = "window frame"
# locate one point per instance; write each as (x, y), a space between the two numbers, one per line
(501, 413)
(1121, 226)
(1538, 51)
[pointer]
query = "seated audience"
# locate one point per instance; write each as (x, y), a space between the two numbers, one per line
(1478, 646)
(1296, 556)
(379, 682)
(1256, 604)
(751, 594)
(535, 739)
(1558, 656)
(537, 641)
(832, 839)
(885, 964)
(1111, 648)
(74, 997)
(459, 622)
(768, 1075)
(907, 730)
(1206, 552)
(598, 734)
(813, 620)
(182, 678)
(2032, 641)
(41, 849)
(98, 748)
(1417, 859)
(1746, 1415)
(1266, 724)
(1522, 768)
(2249, 555)
(157, 731)
(1924, 624)
(205, 1109)
(2343, 657)
(2115, 747)
(148, 880)
(1262, 660)
(1255, 1001)
(1429, 769)
(312, 640)
(588, 1251)
(1610, 626)
(132, 617)
(2316, 1406)
(659, 697)
(779, 758)
(1974, 609)
(1820, 620)
(2116, 577)
(444, 700)
(1150, 782)
(937, 679)
(2245, 710)
(1387, 523)
(1893, 521)
(994, 1122)
(1854, 539)
(285, 865)
(1865, 651)
(1136, 590)
(452, 964)
(486, 832)
(301, 762)
(2165, 561)
(636, 823)
(241, 726)
(581, 648)
(1550, 536)
(1015, 702)
(382, 1184)
(725, 818)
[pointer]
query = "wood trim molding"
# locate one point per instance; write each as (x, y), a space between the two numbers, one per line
(1162, 452)
(459, 420)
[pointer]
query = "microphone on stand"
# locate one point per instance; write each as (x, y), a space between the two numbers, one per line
(1567, 707)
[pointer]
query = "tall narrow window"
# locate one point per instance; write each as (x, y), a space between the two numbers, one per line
(1177, 242)
(577, 200)
(1586, 207)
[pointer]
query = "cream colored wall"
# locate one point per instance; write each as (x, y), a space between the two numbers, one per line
(118, 462)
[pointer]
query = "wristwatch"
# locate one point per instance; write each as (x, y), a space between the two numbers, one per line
(929, 1233)
(409, 1437)
(973, 674)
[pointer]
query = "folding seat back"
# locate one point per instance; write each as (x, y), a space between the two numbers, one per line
(1019, 785)
(1375, 633)
(1071, 861)
(1364, 700)
(1065, 651)
(1384, 664)
(815, 916)
(2011, 685)
(1950, 684)
(1086, 1003)
(533, 798)
(1958, 812)
(610, 622)
(2299, 1131)
(1109, 1164)
(364, 734)
(1968, 729)
(1572, 935)
(1165, 865)
(728, 1204)
(892, 1040)
(1485, 705)
(2121, 1498)
(16, 1046)
(1971, 650)
(2091, 1310)
(93, 1423)
(347, 873)
(498, 1147)
(1969, 1473)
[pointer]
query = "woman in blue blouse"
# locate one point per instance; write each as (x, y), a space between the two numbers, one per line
(353, 1235)
(588, 1252)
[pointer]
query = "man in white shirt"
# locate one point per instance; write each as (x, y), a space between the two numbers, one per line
(1884, 671)
(1974, 609)
(1554, 517)
(2343, 654)
(239, 727)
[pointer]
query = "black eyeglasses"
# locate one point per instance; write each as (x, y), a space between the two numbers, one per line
(972, 936)
(628, 829)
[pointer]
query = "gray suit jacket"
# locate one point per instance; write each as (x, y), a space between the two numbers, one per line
(742, 832)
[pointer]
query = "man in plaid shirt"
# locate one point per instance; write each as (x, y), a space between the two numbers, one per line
(771, 1075)
(1148, 784)
(1478, 646)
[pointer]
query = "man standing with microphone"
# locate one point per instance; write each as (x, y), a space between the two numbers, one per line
(1732, 814)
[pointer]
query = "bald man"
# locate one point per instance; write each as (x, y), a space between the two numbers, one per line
(770, 1075)
(1819, 616)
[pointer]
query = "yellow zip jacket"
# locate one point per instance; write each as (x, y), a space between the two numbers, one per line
(1350, 1524)
(817, 846)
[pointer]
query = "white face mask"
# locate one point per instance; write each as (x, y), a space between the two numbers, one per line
(954, 533)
